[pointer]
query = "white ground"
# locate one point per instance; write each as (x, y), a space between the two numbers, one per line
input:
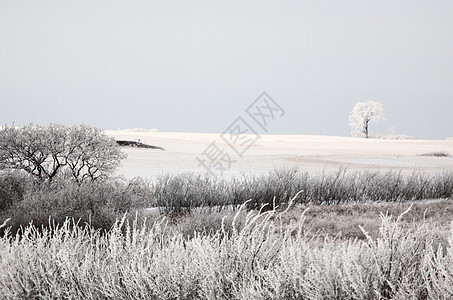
(311, 153)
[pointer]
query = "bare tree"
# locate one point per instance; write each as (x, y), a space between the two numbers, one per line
(44, 152)
(362, 114)
(92, 154)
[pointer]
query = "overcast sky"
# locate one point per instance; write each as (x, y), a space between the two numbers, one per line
(195, 66)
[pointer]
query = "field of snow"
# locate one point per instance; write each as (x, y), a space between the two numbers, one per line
(314, 154)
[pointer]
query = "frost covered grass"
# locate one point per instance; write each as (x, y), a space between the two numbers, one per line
(257, 258)
(345, 221)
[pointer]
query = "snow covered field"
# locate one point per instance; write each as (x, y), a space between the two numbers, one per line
(310, 153)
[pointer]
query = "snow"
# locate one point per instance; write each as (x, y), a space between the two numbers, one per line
(310, 153)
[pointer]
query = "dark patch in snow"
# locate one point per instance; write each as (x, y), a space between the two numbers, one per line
(436, 154)
(138, 145)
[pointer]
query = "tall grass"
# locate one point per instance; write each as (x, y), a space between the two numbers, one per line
(259, 260)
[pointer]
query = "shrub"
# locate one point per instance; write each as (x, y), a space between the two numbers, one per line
(182, 193)
(13, 186)
(98, 203)
(177, 194)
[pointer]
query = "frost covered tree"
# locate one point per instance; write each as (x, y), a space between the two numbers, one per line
(362, 114)
(84, 152)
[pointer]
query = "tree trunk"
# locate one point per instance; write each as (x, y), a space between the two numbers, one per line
(366, 128)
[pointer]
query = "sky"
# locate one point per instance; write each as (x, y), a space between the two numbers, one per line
(195, 66)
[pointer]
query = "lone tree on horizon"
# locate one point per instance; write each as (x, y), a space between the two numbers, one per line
(362, 114)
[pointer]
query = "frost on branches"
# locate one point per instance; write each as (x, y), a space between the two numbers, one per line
(362, 114)
(82, 152)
